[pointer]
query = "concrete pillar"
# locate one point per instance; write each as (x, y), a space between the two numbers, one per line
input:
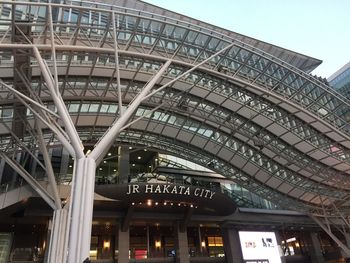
(123, 245)
(232, 246)
(182, 245)
(314, 247)
(123, 164)
(279, 244)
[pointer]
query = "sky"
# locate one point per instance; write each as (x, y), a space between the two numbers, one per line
(317, 28)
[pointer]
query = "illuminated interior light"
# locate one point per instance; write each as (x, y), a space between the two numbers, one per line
(109, 154)
(100, 168)
(203, 243)
(104, 161)
(145, 150)
(130, 148)
(93, 253)
(191, 205)
(133, 165)
(291, 239)
(139, 157)
(132, 203)
(158, 244)
(164, 203)
(149, 202)
(106, 244)
(156, 203)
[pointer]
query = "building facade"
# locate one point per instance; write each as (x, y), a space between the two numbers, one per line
(130, 133)
(340, 78)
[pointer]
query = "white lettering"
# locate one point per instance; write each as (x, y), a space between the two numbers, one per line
(166, 189)
(129, 190)
(211, 195)
(174, 191)
(196, 192)
(149, 188)
(135, 188)
(158, 190)
(181, 188)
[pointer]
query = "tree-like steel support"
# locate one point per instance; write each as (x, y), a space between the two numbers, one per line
(82, 195)
(71, 230)
(326, 228)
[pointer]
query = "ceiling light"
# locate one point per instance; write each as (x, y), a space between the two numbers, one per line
(139, 157)
(109, 154)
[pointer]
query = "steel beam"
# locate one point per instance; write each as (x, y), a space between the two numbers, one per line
(56, 96)
(47, 161)
(30, 180)
(345, 249)
(116, 59)
(108, 138)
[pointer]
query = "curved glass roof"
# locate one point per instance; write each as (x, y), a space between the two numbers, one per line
(269, 126)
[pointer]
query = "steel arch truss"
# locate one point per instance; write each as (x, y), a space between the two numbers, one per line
(187, 90)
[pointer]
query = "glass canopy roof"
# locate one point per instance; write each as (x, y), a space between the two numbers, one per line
(269, 126)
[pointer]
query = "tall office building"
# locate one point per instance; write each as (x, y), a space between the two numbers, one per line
(131, 133)
(340, 78)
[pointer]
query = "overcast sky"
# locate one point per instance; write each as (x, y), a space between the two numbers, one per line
(317, 28)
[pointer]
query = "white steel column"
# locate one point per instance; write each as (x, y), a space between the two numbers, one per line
(57, 252)
(81, 208)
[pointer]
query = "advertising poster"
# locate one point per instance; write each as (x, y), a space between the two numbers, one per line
(259, 247)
